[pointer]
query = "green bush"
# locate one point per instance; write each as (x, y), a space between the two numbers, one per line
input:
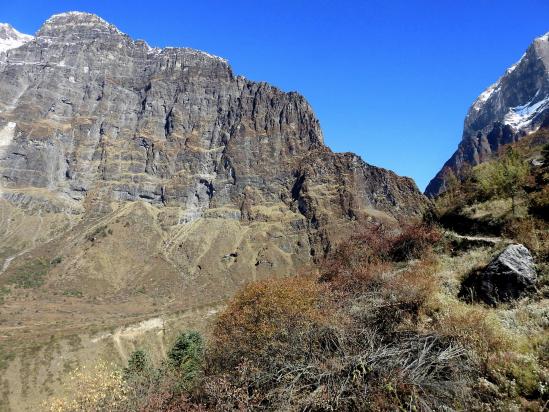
(137, 364)
(186, 356)
(504, 177)
(75, 293)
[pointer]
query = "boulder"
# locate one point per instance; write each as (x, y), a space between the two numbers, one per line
(507, 277)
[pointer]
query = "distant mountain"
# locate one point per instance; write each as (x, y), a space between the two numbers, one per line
(517, 104)
(11, 38)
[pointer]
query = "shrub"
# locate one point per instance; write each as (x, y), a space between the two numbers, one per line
(539, 203)
(519, 374)
(56, 261)
(345, 368)
(73, 293)
(389, 301)
(370, 245)
(158, 390)
(138, 363)
(99, 388)
(259, 312)
(474, 327)
(532, 232)
(166, 401)
(186, 356)
(376, 244)
(413, 242)
(167, 387)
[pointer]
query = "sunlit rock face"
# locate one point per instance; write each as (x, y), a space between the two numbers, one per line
(221, 177)
(517, 104)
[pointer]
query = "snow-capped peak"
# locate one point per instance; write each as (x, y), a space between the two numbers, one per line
(544, 37)
(486, 94)
(11, 38)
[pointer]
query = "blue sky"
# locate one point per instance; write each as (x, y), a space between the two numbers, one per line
(389, 80)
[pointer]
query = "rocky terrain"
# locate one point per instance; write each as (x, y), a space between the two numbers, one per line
(517, 104)
(139, 183)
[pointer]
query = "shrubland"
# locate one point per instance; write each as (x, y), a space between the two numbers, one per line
(374, 329)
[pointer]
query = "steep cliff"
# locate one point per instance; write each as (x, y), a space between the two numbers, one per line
(90, 116)
(517, 104)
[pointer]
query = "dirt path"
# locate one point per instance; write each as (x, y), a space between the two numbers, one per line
(494, 240)
(9, 259)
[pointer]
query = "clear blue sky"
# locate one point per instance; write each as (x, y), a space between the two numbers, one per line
(389, 80)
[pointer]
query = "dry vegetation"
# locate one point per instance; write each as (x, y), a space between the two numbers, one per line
(374, 330)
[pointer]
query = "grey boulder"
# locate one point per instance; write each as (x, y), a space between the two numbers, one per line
(507, 277)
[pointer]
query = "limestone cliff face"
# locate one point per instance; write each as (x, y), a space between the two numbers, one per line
(517, 104)
(221, 178)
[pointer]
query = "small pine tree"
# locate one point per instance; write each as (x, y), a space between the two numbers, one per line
(186, 355)
(138, 363)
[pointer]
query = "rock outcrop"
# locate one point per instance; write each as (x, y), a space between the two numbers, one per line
(507, 277)
(517, 104)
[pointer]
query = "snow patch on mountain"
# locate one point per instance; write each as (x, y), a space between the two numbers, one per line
(486, 94)
(520, 117)
(11, 38)
(545, 37)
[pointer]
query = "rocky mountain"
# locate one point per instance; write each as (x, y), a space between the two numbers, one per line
(517, 104)
(137, 181)
(90, 117)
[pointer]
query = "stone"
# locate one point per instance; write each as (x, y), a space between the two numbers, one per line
(507, 277)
